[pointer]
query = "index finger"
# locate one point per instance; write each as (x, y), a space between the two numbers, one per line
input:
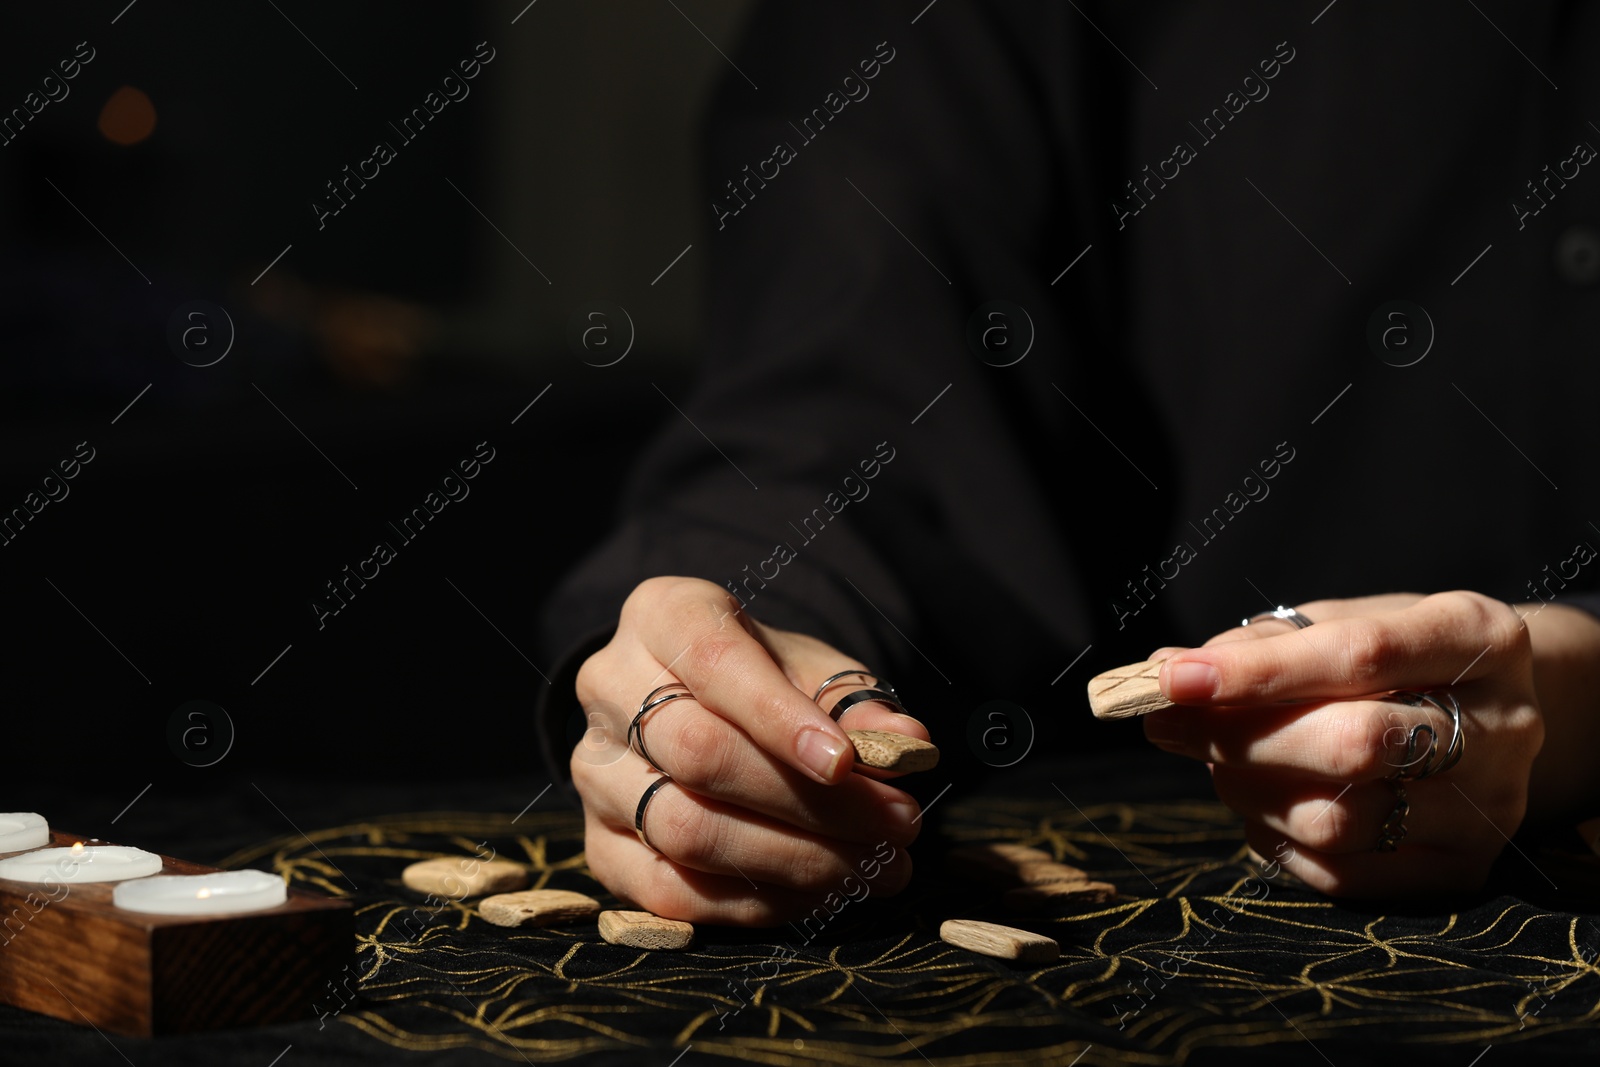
(1440, 640)
(701, 639)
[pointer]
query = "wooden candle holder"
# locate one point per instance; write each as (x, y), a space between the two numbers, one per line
(83, 959)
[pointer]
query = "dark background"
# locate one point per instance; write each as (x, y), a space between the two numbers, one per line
(411, 327)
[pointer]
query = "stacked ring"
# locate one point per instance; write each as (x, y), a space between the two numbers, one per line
(1287, 614)
(1417, 767)
(658, 696)
(1430, 762)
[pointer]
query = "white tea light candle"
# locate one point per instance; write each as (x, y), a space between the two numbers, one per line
(202, 894)
(23, 830)
(81, 863)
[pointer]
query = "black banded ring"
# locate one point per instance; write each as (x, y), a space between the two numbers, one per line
(861, 696)
(644, 802)
(834, 679)
(1394, 827)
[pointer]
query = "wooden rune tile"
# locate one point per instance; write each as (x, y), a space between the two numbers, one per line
(1127, 692)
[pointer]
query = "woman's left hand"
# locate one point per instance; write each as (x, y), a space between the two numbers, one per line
(1300, 738)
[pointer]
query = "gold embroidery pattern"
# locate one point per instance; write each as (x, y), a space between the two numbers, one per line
(1200, 953)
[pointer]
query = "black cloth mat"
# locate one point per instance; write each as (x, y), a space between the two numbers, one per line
(1201, 960)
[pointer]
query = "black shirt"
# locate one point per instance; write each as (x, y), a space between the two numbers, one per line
(1280, 317)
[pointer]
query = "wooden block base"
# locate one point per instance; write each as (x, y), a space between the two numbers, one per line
(68, 951)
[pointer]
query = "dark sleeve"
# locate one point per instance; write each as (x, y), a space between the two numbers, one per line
(847, 465)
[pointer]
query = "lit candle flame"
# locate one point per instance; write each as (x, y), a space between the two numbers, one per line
(203, 894)
(77, 849)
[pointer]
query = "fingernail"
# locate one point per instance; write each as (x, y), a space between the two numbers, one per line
(1191, 682)
(1168, 729)
(821, 753)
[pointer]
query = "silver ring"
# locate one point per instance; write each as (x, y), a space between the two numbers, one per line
(1287, 614)
(1430, 762)
(861, 696)
(834, 679)
(644, 802)
(660, 695)
(1394, 827)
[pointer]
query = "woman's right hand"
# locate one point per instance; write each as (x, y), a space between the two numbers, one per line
(764, 817)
